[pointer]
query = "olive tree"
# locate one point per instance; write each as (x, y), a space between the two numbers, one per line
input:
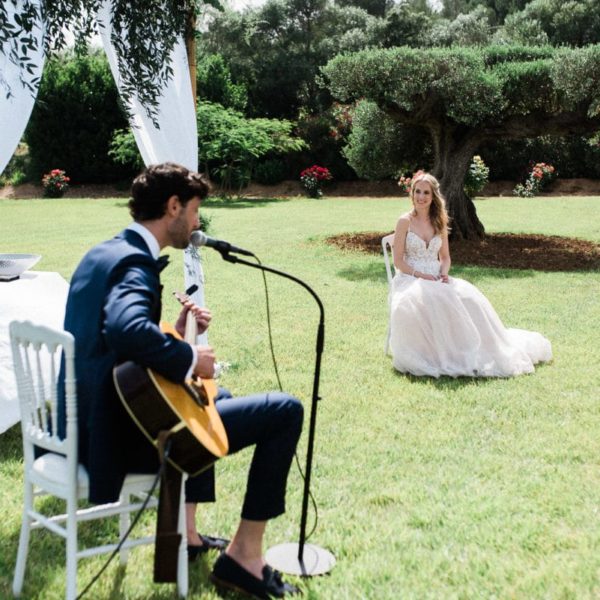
(462, 97)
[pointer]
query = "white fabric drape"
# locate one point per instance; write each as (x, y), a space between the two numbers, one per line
(175, 139)
(16, 110)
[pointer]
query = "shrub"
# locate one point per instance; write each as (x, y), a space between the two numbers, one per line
(55, 183)
(539, 176)
(214, 83)
(378, 147)
(573, 156)
(73, 120)
(124, 151)
(229, 144)
(270, 171)
(312, 179)
(476, 178)
(325, 134)
(16, 170)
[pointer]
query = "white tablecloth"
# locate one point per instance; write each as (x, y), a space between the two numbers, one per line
(39, 297)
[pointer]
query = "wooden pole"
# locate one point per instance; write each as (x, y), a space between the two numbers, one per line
(190, 46)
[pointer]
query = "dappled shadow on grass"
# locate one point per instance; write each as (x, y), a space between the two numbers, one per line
(46, 558)
(235, 202)
(11, 444)
(239, 202)
(507, 251)
(374, 271)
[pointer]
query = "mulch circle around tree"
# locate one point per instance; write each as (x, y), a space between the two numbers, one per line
(500, 250)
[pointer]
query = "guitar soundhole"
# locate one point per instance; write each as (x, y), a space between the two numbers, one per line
(197, 393)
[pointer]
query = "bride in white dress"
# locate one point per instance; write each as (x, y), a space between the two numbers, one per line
(442, 325)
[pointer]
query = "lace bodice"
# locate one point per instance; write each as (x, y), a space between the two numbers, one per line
(423, 256)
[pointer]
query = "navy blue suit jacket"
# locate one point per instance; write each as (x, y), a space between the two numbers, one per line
(113, 311)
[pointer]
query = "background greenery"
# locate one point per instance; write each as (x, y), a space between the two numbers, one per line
(266, 61)
(426, 488)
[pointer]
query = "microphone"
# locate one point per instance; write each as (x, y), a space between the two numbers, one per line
(199, 238)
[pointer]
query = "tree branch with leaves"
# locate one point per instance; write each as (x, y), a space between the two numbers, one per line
(144, 33)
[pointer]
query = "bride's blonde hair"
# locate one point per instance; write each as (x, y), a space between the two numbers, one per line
(438, 214)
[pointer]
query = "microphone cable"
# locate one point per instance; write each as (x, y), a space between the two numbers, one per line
(276, 369)
(133, 523)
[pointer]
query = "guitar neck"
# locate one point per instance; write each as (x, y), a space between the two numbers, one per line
(191, 326)
(191, 329)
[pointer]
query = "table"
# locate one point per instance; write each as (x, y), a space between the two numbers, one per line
(40, 297)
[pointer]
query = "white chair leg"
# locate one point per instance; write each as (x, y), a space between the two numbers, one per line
(23, 541)
(182, 559)
(71, 549)
(124, 522)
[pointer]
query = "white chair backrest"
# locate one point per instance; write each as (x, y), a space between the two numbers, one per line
(387, 243)
(37, 351)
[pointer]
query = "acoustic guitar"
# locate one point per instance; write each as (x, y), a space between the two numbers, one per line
(186, 410)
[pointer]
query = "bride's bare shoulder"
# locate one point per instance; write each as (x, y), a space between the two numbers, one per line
(403, 222)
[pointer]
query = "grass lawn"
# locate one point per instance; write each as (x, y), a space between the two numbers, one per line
(449, 488)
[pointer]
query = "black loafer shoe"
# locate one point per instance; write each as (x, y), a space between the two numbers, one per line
(208, 543)
(229, 574)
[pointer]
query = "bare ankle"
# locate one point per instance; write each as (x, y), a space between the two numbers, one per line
(250, 561)
(193, 539)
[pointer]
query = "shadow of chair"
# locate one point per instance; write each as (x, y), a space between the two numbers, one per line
(36, 354)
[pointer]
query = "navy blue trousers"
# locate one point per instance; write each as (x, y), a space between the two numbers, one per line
(271, 422)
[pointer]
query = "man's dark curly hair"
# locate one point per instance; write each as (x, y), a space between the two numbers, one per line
(157, 183)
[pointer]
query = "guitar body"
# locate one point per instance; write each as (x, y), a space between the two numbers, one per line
(187, 410)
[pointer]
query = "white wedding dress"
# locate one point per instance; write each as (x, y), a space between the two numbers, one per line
(451, 328)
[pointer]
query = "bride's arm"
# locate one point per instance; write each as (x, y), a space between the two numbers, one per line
(399, 243)
(445, 258)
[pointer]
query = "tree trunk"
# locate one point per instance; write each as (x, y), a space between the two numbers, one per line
(454, 149)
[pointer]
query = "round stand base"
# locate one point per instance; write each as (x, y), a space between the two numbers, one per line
(315, 560)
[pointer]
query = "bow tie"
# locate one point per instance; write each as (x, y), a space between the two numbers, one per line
(162, 262)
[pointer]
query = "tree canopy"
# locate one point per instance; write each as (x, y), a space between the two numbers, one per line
(464, 96)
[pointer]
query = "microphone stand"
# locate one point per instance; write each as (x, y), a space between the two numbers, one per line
(301, 558)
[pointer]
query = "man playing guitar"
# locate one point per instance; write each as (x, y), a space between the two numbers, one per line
(113, 311)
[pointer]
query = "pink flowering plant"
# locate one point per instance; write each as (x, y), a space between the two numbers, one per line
(404, 184)
(539, 176)
(55, 183)
(477, 177)
(312, 179)
(404, 181)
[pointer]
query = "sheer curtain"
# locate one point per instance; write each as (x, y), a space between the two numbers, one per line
(175, 139)
(16, 109)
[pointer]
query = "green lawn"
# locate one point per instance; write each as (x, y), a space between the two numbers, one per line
(425, 488)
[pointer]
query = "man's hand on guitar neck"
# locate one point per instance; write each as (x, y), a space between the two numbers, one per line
(203, 317)
(205, 363)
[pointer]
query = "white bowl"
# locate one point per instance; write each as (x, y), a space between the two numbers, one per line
(13, 265)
